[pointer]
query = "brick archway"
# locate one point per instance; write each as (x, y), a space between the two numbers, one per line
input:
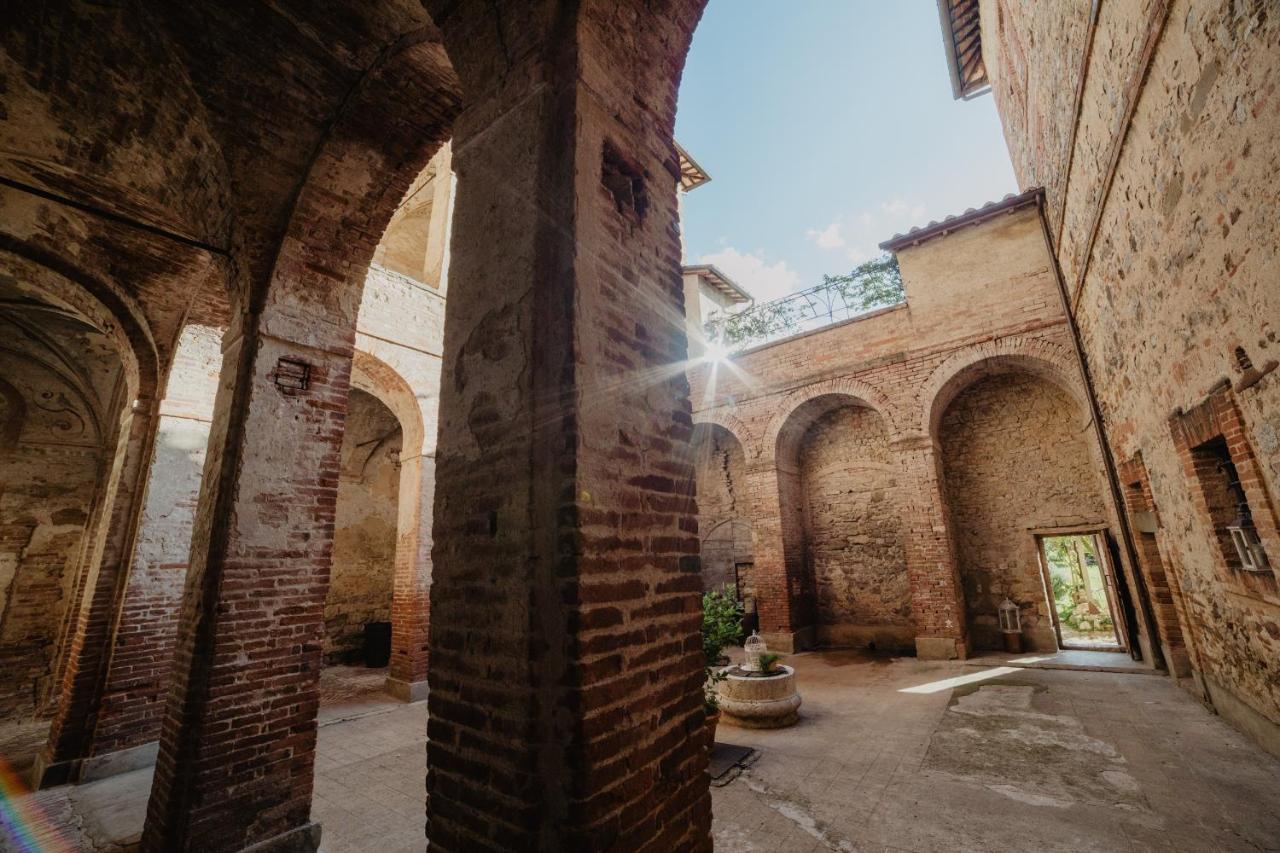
(411, 585)
(730, 422)
(1044, 359)
(373, 375)
(101, 305)
(125, 434)
(786, 427)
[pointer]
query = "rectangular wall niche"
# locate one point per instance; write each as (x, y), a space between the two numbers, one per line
(624, 179)
(1228, 488)
(1219, 481)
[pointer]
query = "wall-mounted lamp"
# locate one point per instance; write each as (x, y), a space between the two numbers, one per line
(292, 375)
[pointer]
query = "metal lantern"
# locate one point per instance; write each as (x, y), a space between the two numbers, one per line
(1011, 626)
(1010, 618)
(754, 647)
(1244, 536)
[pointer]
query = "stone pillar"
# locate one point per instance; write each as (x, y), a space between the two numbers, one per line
(104, 575)
(779, 586)
(937, 599)
(566, 678)
(410, 605)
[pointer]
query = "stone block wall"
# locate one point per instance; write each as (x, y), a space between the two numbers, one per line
(852, 530)
(1163, 207)
(1017, 463)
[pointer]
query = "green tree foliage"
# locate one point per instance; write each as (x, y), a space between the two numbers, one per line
(876, 283)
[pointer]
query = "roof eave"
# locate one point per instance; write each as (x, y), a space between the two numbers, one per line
(1009, 204)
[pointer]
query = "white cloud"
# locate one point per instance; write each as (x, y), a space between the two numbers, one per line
(754, 273)
(860, 235)
(828, 238)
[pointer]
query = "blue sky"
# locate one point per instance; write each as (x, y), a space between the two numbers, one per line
(827, 126)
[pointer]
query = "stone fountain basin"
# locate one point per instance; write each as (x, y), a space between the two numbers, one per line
(760, 702)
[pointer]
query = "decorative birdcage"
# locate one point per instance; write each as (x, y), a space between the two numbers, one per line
(754, 647)
(1010, 618)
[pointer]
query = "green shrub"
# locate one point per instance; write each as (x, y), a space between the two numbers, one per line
(721, 627)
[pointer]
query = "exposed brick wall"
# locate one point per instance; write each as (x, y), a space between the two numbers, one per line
(853, 532)
(364, 538)
(56, 426)
(1164, 209)
(723, 521)
(1017, 460)
(1166, 591)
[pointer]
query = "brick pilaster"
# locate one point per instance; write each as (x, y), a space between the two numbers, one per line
(937, 599)
(780, 600)
(410, 603)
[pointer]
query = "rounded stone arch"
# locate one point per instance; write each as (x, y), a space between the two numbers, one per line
(97, 303)
(799, 409)
(379, 379)
(731, 424)
(1042, 359)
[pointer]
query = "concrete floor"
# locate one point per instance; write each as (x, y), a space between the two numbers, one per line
(910, 755)
(890, 755)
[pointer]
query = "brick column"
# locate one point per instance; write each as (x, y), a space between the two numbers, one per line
(410, 604)
(238, 737)
(565, 703)
(237, 743)
(937, 601)
(780, 586)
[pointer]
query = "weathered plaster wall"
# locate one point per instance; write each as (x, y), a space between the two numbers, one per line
(1016, 461)
(58, 380)
(44, 506)
(364, 540)
(853, 531)
(1169, 244)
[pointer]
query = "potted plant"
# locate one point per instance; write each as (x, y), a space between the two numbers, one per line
(768, 660)
(721, 627)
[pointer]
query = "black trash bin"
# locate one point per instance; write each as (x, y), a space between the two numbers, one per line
(377, 644)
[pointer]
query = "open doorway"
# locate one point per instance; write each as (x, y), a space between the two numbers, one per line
(1083, 601)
